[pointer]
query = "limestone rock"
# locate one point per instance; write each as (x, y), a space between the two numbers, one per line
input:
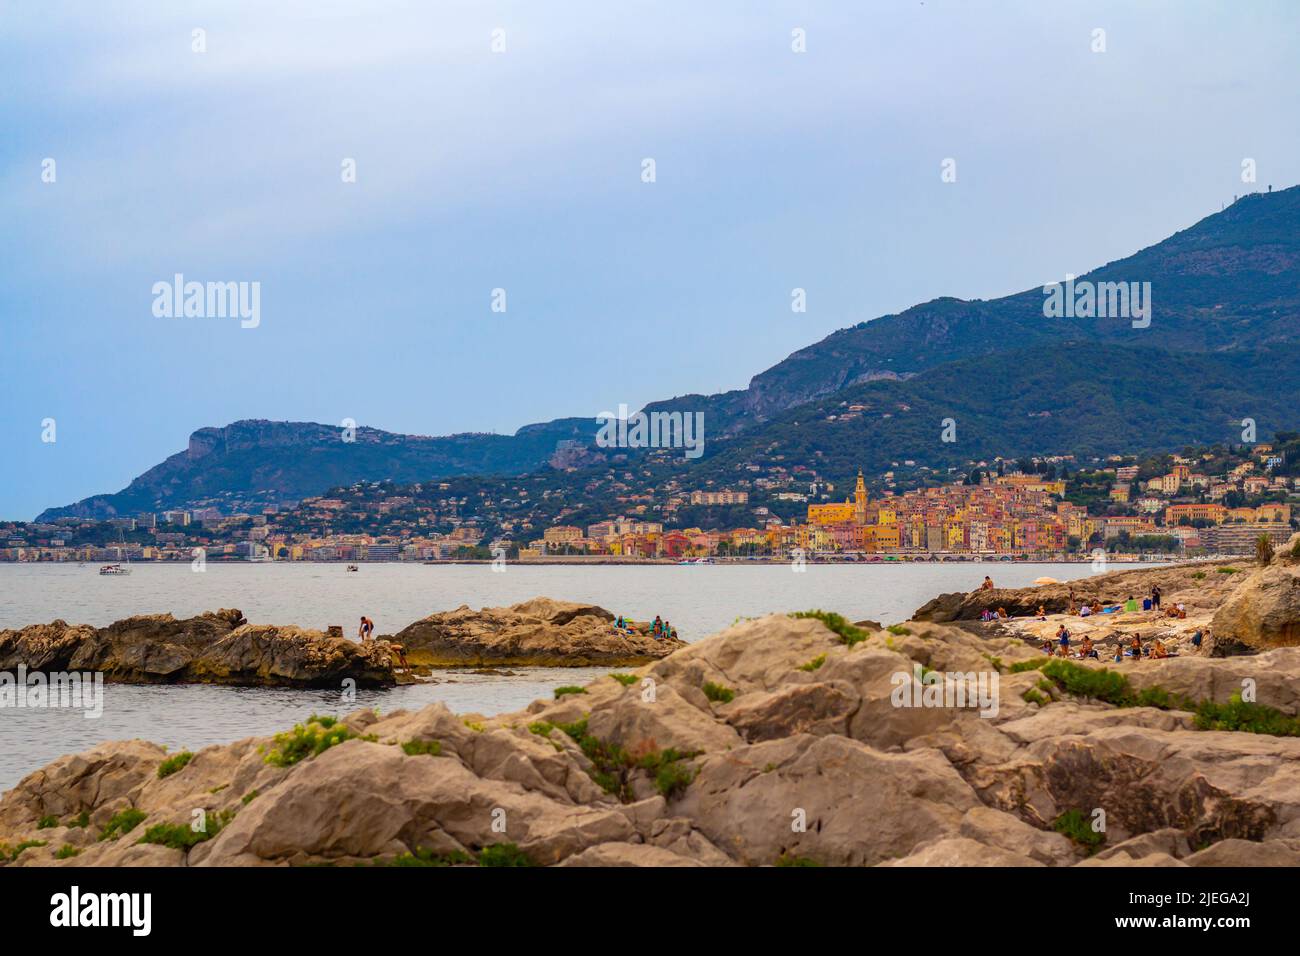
(960, 851)
(1264, 610)
(218, 647)
(1245, 853)
(748, 801)
(540, 632)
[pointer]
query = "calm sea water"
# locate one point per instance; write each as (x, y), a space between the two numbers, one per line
(698, 600)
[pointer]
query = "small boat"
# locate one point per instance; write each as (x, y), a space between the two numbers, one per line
(352, 567)
(114, 569)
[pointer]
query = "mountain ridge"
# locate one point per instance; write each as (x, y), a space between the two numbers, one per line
(1228, 283)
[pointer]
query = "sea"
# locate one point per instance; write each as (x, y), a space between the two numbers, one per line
(698, 600)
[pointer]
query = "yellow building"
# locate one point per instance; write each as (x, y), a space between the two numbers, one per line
(886, 536)
(833, 513)
(860, 501)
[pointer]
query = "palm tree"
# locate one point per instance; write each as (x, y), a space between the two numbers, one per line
(1263, 550)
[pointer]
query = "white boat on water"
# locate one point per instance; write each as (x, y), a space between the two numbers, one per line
(114, 569)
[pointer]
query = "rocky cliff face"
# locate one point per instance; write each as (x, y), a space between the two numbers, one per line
(540, 632)
(776, 741)
(1264, 610)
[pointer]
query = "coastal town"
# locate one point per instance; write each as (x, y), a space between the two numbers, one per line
(1204, 502)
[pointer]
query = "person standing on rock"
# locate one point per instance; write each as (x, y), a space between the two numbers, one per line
(1155, 597)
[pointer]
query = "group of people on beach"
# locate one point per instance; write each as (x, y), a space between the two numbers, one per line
(1130, 647)
(659, 630)
(1085, 609)
(1133, 648)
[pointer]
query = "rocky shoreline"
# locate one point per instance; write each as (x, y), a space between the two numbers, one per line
(222, 647)
(785, 740)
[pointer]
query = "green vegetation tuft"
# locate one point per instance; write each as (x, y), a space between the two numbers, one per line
(426, 857)
(1019, 667)
(1227, 570)
(612, 766)
(1239, 715)
(1074, 825)
(788, 859)
(310, 739)
(180, 836)
(577, 730)
(1034, 697)
(813, 664)
(6, 853)
(569, 689)
(1114, 688)
(541, 728)
(82, 819)
(413, 748)
(1099, 684)
(174, 763)
(66, 852)
(503, 854)
(898, 630)
(837, 623)
(47, 823)
(718, 693)
(122, 823)
(627, 680)
(249, 797)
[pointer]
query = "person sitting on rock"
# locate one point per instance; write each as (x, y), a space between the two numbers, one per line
(1160, 650)
(1119, 654)
(1131, 604)
(988, 584)
(1096, 606)
(1042, 613)
(1047, 647)
(658, 626)
(1002, 614)
(1086, 649)
(1085, 610)
(1135, 646)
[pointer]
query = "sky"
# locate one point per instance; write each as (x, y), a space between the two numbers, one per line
(521, 168)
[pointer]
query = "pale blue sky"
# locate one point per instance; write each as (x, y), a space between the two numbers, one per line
(521, 170)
